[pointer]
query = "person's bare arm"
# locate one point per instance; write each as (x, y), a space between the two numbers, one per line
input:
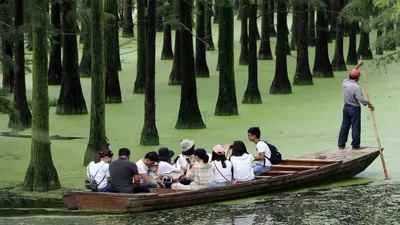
(259, 157)
(360, 63)
(136, 179)
(145, 177)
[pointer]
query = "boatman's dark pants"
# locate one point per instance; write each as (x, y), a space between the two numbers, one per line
(351, 117)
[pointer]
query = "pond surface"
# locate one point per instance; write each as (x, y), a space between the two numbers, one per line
(371, 202)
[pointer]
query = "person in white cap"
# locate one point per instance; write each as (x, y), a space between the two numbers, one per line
(187, 154)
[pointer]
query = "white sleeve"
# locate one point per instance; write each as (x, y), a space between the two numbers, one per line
(107, 170)
(173, 168)
(141, 168)
(87, 171)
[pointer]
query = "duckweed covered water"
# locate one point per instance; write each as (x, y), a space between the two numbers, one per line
(372, 203)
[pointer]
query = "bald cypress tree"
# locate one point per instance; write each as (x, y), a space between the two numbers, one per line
(175, 77)
(311, 24)
(7, 47)
(189, 116)
(338, 63)
(226, 103)
(244, 48)
(201, 67)
(352, 52)
(86, 60)
(55, 65)
(127, 30)
(166, 53)
(141, 69)
(97, 136)
(41, 174)
(265, 45)
(208, 25)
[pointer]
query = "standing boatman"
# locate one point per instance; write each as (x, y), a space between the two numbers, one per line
(353, 96)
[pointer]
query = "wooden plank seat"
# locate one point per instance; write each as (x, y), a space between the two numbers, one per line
(308, 162)
(278, 173)
(262, 177)
(292, 168)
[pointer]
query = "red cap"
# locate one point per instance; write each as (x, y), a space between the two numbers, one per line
(354, 73)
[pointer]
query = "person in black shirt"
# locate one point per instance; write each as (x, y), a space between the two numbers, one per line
(124, 175)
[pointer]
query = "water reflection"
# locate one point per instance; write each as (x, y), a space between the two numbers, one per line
(375, 203)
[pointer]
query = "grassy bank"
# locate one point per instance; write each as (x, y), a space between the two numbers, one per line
(304, 122)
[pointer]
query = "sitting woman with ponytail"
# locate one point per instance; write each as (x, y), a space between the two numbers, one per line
(201, 174)
(99, 170)
(221, 166)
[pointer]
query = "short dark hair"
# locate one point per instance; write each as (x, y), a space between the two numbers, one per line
(189, 151)
(124, 152)
(254, 131)
(152, 156)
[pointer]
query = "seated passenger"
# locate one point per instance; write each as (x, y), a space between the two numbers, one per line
(201, 174)
(186, 157)
(164, 166)
(124, 176)
(143, 169)
(222, 167)
(241, 162)
(99, 169)
(263, 164)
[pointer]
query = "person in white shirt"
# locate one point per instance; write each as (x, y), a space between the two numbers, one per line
(222, 167)
(143, 169)
(164, 166)
(263, 164)
(99, 169)
(187, 157)
(241, 162)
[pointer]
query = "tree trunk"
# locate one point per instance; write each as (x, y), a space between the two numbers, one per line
(149, 135)
(7, 47)
(271, 12)
(379, 49)
(244, 49)
(336, 8)
(112, 88)
(175, 75)
(29, 46)
(252, 94)
(167, 53)
(55, 65)
(322, 65)
(338, 63)
(311, 25)
(295, 30)
(85, 64)
(127, 30)
(140, 81)
(265, 45)
(201, 68)
(281, 83)
(352, 58)
(390, 44)
(41, 174)
(303, 74)
(364, 49)
(20, 103)
(97, 137)
(216, 15)
(226, 103)
(159, 20)
(208, 27)
(71, 100)
(189, 116)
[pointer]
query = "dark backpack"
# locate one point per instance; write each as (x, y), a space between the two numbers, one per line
(276, 156)
(91, 183)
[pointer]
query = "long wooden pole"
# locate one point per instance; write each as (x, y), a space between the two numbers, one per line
(374, 122)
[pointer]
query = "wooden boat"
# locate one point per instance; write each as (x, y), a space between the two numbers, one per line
(316, 168)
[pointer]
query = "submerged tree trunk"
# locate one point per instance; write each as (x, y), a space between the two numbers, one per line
(333, 15)
(149, 132)
(189, 116)
(20, 103)
(86, 60)
(141, 71)
(207, 25)
(271, 12)
(244, 49)
(201, 68)
(379, 49)
(265, 45)
(127, 30)
(216, 15)
(352, 58)
(175, 75)
(112, 88)
(338, 63)
(252, 94)
(6, 46)
(295, 30)
(41, 174)
(71, 100)
(281, 83)
(226, 103)
(166, 53)
(364, 49)
(97, 137)
(303, 74)
(322, 65)
(311, 25)
(55, 65)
